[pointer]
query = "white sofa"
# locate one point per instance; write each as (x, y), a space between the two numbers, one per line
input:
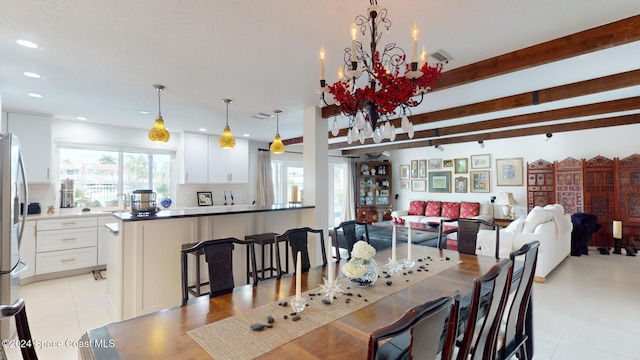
(549, 225)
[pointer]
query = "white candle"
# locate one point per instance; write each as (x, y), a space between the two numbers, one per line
(322, 63)
(617, 229)
(409, 242)
(298, 276)
(353, 44)
(414, 43)
(294, 193)
(393, 244)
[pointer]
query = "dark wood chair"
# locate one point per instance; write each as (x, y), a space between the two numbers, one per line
(219, 256)
(513, 340)
(425, 325)
(467, 234)
(349, 232)
(489, 296)
(297, 239)
(19, 312)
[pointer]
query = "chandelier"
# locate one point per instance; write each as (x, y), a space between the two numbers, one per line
(391, 85)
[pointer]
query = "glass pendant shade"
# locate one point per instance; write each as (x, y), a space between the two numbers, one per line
(277, 146)
(227, 141)
(158, 132)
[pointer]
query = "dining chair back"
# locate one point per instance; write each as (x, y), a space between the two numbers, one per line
(513, 339)
(19, 312)
(425, 323)
(219, 256)
(349, 230)
(298, 240)
(489, 296)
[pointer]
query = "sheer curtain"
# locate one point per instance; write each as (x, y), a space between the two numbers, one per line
(265, 179)
(348, 211)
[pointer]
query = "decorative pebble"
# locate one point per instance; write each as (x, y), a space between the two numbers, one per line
(420, 260)
(348, 294)
(256, 327)
(447, 258)
(387, 276)
(419, 270)
(347, 300)
(282, 303)
(293, 314)
(407, 280)
(326, 301)
(312, 294)
(365, 300)
(348, 287)
(295, 318)
(285, 317)
(389, 282)
(410, 271)
(358, 295)
(270, 319)
(404, 273)
(268, 326)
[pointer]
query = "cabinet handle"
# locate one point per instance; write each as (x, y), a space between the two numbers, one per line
(68, 239)
(67, 260)
(48, 174)
(186, 176)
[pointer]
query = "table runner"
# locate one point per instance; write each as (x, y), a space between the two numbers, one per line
(231, 338)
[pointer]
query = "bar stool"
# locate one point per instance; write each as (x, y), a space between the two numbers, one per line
(262, 240)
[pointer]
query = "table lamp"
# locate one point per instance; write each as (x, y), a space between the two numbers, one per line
(506, 200)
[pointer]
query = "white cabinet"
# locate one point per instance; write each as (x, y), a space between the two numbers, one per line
(28, 249)
(113, 257)
(205, 162)
(34, 133)
(103, 235)
(66, 244)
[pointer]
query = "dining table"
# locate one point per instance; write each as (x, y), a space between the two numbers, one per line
(180, 332)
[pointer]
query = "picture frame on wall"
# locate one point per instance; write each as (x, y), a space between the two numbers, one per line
(435, 164)
(418, 185)
(461, 166)
(414, 169)
(205, 198)
(460, 184)
(479, 181)
(447, 163)
(404, 172)
(509, 172)
(422, 168)
(481, 161)
(440, 181)
(404, 185)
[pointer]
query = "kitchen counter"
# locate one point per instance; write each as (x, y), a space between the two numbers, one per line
(67, 213)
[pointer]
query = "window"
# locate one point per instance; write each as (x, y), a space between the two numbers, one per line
(100, 175)
(285, 176)
(337, 184)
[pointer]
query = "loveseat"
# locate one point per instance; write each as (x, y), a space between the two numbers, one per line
(549, 225)
(434, 211)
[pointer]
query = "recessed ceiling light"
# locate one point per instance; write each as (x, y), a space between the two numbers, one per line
(35, 95)
(32, 75)
(246, 135)
(202, 129)
(143, 112)
(29, 44)
(81, 118)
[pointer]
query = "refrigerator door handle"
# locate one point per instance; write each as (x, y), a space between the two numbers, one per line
(26, 197)
(25, 266)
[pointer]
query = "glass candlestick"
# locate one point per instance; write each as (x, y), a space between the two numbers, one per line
(298, 305)
(409, 263)
(393, 266)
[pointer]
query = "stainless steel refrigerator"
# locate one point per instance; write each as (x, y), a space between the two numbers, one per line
(13, 191)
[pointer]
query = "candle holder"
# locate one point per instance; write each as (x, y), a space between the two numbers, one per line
(298, 306)
(409, 263)
(394, 266)
(330, 288)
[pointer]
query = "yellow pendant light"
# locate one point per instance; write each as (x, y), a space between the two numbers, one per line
(226, 140)
(277, 146)
(158, 132)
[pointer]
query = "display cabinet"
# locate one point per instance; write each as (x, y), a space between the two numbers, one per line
(373, 191)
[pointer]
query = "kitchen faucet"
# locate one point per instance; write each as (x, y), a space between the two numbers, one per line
(124, 199)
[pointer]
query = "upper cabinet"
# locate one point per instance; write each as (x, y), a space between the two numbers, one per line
(205, 162)
(34, 133)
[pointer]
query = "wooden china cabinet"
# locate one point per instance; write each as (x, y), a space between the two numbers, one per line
(373, 191)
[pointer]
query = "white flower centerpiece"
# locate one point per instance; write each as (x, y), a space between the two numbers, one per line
(362, 269)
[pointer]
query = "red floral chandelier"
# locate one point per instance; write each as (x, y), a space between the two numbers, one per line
(393, 82)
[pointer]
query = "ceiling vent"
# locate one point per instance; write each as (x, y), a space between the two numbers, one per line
(441, 56)
(261, 116)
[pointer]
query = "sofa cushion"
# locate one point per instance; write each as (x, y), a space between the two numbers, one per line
(433, 208)
(416, 207)
(536, 216)
(451, 210)
(469, 209)
(516, 225)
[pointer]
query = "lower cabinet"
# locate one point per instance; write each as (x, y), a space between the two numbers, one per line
(55, 261)
(28, 250)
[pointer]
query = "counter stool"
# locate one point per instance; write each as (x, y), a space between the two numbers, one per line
(195, 289)
(262, 240)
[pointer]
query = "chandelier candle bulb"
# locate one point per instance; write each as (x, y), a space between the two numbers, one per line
(322, 75)
(298, 277)
(353, 44)
(423, 56)
(414, 43)
(617, 229)
(393, 245)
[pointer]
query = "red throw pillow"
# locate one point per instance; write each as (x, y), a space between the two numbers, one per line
(433, 208)
(416, 207)
(451, 210)
(469, 209)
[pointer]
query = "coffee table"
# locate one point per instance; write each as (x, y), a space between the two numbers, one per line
(446, 230)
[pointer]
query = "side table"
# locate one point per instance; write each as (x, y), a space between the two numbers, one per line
(262, 240)
(502, 222)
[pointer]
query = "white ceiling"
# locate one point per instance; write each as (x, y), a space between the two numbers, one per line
(101, 57)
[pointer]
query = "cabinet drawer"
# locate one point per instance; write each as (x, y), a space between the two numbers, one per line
(65, 260)
(70, 223)
(66, 239)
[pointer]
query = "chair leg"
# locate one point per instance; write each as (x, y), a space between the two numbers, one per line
(185, 290)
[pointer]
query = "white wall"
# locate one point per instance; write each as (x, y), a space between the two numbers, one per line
(620, 141)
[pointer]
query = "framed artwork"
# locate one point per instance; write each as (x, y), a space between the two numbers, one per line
(440, 181)
(422, 168)
(404, 185)
(479, 181)
(435, 164)
(460, 184)
(447, 163)
(414, 169)
(404, 172)
(509, 172)
(418, 185)
(205, 198)
(384, 192)
(481, 161)
(461, 166)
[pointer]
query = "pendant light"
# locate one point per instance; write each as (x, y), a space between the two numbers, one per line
(158, 132)
(227, 141)
(277, 147)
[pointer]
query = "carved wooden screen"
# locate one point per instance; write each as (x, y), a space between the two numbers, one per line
(600, 197)
(569, 191)
(541, 188)
(628, 170)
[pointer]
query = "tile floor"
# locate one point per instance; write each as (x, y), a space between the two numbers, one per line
(587, 310)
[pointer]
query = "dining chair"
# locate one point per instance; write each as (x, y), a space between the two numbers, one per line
(424, 324)
(513, 334)
(297, 239)
(349, 231)
(219, 256)
(489, 296)
(19, 312)
(467, 233)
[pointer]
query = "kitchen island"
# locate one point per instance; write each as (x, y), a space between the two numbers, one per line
(145, 266)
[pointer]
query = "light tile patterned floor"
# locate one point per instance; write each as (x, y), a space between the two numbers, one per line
(587, 310)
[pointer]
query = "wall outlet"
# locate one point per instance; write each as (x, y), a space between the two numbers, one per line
(493, 199)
